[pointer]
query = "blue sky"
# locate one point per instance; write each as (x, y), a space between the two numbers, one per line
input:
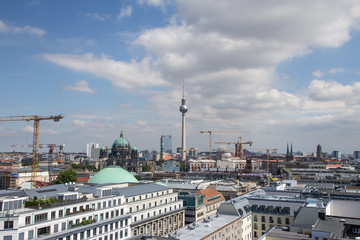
(284, 71)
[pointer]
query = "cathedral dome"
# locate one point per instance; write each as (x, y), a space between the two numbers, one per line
(113, 174)
(121, 142)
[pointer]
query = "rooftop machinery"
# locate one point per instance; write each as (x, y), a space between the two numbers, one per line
(36, 119)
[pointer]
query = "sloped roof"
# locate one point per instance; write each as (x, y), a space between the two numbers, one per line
(209, 193)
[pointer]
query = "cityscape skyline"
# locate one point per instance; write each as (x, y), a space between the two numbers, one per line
(283, 72)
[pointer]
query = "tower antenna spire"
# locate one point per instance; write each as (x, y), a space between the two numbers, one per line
(183, 78)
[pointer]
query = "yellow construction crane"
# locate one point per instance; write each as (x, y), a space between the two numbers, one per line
(267, 154)
(238, 147)
(36, 119)
(210, 132)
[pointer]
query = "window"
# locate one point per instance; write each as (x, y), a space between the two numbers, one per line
(263, 227)
(27, 220)
(53, 215)
(109, 203)
(114, 202)
(8, 224)
(255, 226)
(263, 219)
(255, 218)
(287, 221)
(63, 226)
(43, 231)
(61, 212)
(21, 236)
(279, 220)
(7, 237)
(31, 234)
(41, 217)
(56, 228)
(104, 204)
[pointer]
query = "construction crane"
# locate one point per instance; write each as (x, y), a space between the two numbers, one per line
(36, 119)
(238, 147)
(210, 132)
(267, 154)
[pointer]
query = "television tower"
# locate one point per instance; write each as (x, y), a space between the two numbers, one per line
(183, 109)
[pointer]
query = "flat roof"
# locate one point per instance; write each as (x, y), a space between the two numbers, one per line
(204, 229)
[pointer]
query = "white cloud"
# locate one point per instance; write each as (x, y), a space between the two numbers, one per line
(97, 16)
(230, 51)
(28, 129)
(156, 3)
(78, 123)
(318, 74)
(121, 74)
(125, 12)
(320, 90)
(26, 29)
(336, 70)
(80, 86)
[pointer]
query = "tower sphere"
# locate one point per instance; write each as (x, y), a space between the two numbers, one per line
(183, 108)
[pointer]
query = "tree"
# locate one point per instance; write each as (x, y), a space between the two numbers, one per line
(66, 176)
(182, 166)
(146, 168)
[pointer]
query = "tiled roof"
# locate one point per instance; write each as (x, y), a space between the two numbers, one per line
(210, 193)
(83, 179)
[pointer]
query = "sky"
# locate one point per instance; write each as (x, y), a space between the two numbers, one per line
(276, 72)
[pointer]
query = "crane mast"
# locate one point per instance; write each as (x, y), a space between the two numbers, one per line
(36, 119)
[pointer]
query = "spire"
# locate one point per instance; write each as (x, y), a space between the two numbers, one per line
(183, 84)
(291, 151)
(287, 149)
(121, 133)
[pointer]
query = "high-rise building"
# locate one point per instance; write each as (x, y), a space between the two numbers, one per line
(90, 146)
(336, 155)
(319, 154)
(166, 144)
(356, 155)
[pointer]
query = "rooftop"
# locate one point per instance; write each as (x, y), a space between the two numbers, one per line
(201, 229)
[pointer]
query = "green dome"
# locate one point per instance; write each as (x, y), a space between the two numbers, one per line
(135, 148)
(121, 142)
(113, 174)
